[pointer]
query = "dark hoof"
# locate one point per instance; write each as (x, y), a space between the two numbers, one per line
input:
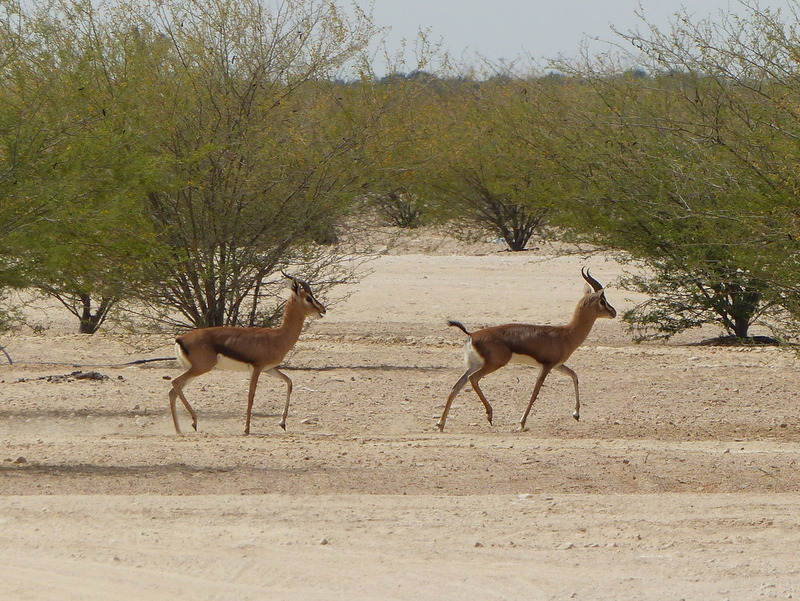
(577, 416)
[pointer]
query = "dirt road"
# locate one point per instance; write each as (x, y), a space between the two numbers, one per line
(679, 482)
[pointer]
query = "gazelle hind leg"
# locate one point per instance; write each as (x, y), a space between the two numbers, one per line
(177, 391)
(274, 372)
(473, 363)
(474, 378)
(453, 393)
(566, 370)
(173, 396)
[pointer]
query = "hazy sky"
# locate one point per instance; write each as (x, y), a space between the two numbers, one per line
(541, 29)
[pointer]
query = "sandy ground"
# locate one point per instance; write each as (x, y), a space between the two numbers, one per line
(680, 482)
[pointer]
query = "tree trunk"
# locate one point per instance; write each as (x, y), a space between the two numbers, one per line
(91, 322)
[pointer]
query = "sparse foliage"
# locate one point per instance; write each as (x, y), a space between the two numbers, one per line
(177, 153)
(190, 149)
(686, 168)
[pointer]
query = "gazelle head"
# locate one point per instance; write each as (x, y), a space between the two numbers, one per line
(303, 295)
(595, 297)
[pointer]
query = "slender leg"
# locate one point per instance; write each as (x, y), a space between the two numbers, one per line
(566, 370)
(250, 397)
(456, 389)
(494, 357)
(177, 391)
(173, 396)
(475, 378)
(539, 381)
(279, 374)
(474, 362)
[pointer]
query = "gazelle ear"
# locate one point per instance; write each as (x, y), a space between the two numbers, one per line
(587, 290)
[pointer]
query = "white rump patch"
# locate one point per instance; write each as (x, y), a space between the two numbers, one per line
(181, 357)
(472, 359)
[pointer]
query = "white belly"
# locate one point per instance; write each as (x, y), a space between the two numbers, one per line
(229, 364)
(523, 360)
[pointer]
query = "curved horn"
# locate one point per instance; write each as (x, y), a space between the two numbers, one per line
(597, 286)
(305, 285)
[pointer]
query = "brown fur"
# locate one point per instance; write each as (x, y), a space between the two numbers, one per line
(262, 349)
(491, 348)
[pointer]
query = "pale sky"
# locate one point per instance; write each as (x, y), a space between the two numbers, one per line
(541, 29)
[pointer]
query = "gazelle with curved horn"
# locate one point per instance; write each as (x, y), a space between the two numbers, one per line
(257, 349)
(489, 349)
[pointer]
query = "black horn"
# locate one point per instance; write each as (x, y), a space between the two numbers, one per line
(302, 283)
(590, 280)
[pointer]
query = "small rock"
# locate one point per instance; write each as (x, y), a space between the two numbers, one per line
(324, 542)
(20, 459)
(478, 545)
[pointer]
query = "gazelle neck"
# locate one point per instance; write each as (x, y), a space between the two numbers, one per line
(581, 323)
(293, 319)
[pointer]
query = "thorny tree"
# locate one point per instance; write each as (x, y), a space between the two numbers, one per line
(257, 151)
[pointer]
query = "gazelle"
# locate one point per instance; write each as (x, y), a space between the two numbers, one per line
(257, 349)
(489, 349)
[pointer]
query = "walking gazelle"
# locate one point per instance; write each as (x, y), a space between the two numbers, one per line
(489, 349)
(256, 349)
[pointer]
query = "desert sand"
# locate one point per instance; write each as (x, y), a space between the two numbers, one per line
(680, 481)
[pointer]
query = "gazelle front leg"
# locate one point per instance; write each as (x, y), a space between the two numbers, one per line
(566, 370)
(279, 374)
(250, 397)
(539, 381)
